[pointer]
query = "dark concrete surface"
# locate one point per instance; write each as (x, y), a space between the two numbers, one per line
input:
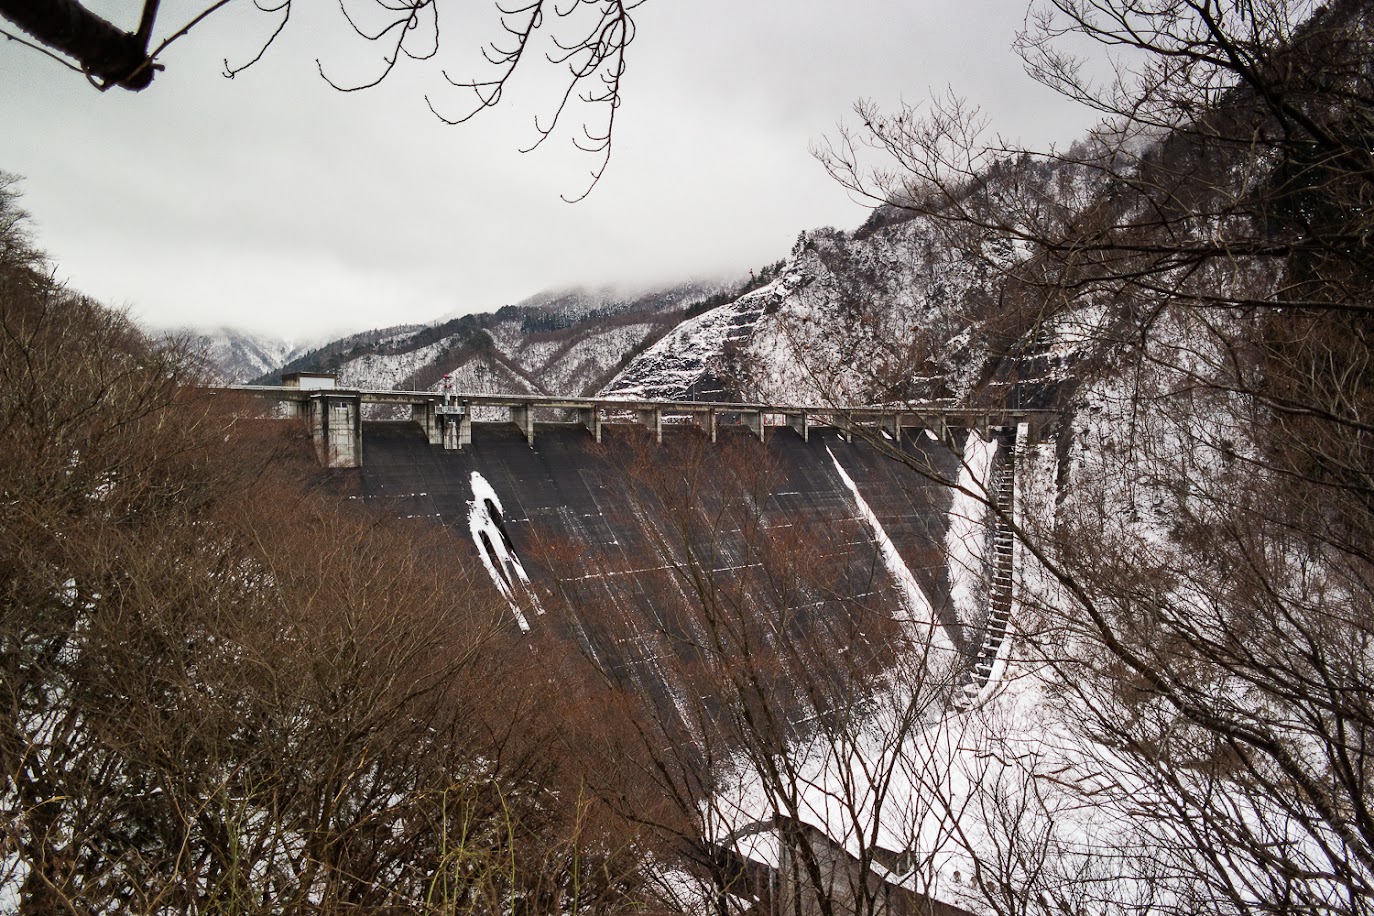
(609, 532)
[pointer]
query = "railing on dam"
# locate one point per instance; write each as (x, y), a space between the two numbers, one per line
(335, 415)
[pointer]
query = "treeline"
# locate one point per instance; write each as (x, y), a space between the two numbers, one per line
(228, 691)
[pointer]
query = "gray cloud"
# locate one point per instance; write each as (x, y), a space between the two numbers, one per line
(274, 203)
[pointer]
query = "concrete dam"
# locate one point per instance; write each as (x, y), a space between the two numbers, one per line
(667, 541)
(643, 547)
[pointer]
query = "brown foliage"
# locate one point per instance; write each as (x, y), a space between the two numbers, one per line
(224, 690)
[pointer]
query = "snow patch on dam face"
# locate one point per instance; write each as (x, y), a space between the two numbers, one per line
(486, 522)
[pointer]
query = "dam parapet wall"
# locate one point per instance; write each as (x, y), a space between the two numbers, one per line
(447, 418)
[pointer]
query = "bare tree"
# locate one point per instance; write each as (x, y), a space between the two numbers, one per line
(1198, 598)
(224, 691)
(585, 41)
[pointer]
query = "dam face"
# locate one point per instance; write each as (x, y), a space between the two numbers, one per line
(621, 546)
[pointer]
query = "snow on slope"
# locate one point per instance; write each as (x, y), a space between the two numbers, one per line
(836, 325)
(237, 357)
(862, 316)
(574, 361)
(567, 343)
(515, 344)
(485, 376)
(588, 360)
(967, 551)
(487, 527)
(379, 371)
(693, 351)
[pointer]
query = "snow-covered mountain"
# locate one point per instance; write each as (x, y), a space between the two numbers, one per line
(237, 356)
(569, 342)
(839, 322)
(893, 311)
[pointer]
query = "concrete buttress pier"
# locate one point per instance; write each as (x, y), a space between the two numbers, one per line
(652, 420)
(455, 425)
(523, 417)
(590, 417)
(336, 428)
(428, 418)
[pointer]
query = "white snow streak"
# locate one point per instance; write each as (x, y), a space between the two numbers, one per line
(494, 549)
(966, 538)
(921, 613)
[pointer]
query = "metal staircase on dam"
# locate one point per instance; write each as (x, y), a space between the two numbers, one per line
(976, 679)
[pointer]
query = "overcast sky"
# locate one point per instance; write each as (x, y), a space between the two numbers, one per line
(275, 204)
